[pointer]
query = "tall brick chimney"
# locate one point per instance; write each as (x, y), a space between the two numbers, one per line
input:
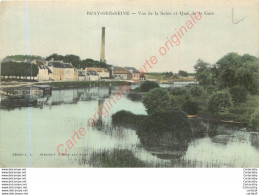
(102, 57)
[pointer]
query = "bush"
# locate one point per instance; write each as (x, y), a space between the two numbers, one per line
(179, 91)
(179, 96)
(157, 100)
(169, 120)
(148, 85)
(122, 115)
(196, 90)
(135, 96)
(126, 118)
(238, 94)
(254, 121)
(190, 107)
(220, 102)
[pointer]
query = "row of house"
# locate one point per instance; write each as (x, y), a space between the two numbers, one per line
(61, 71)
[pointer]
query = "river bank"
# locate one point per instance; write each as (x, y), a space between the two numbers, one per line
(55, 118)
(167, 79)
(82, 84)
(238, 115)
(195, 101)
(10, 86)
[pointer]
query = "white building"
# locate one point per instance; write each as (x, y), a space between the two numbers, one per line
(121, 73)
(102, 72)
(44, 73)
(92, 76)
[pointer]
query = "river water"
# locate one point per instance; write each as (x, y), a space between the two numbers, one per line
(30, 135)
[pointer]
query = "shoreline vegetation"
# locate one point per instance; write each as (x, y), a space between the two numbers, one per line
(167, 129)
(65, 84)
(169, 77)
(224, 99)
(226, 92)
(82, 84)
(5, 85)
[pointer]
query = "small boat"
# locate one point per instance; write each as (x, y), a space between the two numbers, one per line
(164, 81)
(191, 116)
(234, 122)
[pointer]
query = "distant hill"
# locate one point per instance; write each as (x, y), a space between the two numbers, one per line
(70, 58)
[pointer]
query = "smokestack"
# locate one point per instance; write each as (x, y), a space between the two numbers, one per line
(102, 58)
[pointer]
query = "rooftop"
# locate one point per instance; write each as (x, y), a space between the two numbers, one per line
(133, 69)
(92, 73)
(120, 70)
(97, 69)
(60, 65)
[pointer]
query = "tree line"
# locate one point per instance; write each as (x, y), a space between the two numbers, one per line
(70, 58)
(181, 73)
(9, 66)
(22, 58)
(229, 71)
(18, 69)
(227, 90)
(77, 62)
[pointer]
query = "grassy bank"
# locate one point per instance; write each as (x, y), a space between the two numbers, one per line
(82, 84)
(235, 106)
(239, 113)
(163, 78)
(116, 158)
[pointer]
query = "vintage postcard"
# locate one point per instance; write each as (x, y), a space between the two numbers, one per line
(129, 84)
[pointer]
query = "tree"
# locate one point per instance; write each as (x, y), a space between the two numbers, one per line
(206, 74)
(247, 58)
(19, 69)
(157, 100)
(168, 74)
(94, 63)
(238, 94)
(196, 90)
(238, 70)
(220, 102)
(179, 96)
(227, 67)
(73, 59)
(182, 73)
(248, 75)
(179, 91)
(229, 71)
(22, 58)
(55, 57)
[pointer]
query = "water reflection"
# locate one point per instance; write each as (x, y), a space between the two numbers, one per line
(53, 120)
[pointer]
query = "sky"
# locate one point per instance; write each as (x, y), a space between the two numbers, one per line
(47, 27)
